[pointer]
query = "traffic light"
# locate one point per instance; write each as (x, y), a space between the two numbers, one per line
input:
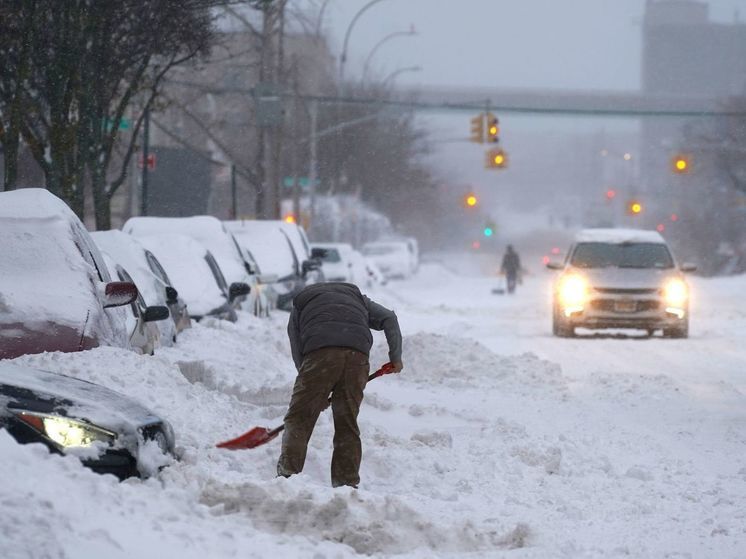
(635, 207)
(681, 164)
(477, 129)
(610, 194)
(493, 129)
(496, 159)
(471, 200)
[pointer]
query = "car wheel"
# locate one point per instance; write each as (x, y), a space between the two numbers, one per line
(679, 333)
(560, 327)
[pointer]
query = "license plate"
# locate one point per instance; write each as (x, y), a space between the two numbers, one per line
(625, 306)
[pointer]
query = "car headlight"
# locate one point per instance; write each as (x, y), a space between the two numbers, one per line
(675, 293)
(67, 432)
(573, 291)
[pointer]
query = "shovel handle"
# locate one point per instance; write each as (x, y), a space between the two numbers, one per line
(386, 369)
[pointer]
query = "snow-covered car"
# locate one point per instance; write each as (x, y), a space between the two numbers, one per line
(393, 258)
(56, 293)
(152, 283)
(277, 255)
(621, 278)
(108, 431)
(197, 276)
(141, 319)
(337, 262)
(211, 233)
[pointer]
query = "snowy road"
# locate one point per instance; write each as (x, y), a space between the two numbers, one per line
(496, 441)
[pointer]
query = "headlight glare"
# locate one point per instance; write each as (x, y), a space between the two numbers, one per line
(675, 293)
(67, 432)
(573, 291)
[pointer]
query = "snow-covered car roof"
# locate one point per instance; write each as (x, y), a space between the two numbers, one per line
(45, 275)
(271, 248)
(129, 253)
(184, 261)
(206, 229)
(618, 236)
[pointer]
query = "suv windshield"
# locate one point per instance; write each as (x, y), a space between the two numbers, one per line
(624, 255)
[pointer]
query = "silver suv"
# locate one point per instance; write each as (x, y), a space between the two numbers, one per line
(620, 278)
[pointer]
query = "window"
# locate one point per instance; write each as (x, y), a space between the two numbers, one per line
(622, 255)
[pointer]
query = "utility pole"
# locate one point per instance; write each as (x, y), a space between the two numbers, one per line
(314, 110)
(145, 161)
(234, 193)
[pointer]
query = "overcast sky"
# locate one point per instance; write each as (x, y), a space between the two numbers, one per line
(574, 44)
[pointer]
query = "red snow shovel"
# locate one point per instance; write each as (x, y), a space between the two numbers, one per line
(261, 435)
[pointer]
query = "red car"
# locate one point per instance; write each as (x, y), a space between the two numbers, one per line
(55, 291)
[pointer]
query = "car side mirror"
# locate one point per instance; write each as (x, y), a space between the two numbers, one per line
(319, 253)
(172, 296)
(155, 313)
(238, 289)
(311, 265)
(118, 294)
(688, 267)
(555, 265)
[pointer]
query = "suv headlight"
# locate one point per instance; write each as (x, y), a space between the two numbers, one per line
(675, 293)
(67, 432)
(573, 291)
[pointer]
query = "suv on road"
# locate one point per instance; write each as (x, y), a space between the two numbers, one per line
(620, 278)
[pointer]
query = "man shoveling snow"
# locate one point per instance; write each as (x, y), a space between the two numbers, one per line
(329, 331)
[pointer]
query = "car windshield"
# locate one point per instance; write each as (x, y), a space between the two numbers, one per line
(331, 256)
(621, 255)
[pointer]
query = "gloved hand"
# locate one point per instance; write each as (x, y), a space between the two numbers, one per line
(397, 366)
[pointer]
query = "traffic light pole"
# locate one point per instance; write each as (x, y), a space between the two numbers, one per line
(145, 159)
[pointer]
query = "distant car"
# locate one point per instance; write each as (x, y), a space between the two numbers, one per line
(56, 293)
(153, 284)
(277, 255)
(141, 320)
(211, 233)
(621, 278)
(337, 262)
(107, 430)
(197, 276)
(393, 258)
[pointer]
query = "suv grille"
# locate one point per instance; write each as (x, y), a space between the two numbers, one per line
(625, 291)
(609, 305)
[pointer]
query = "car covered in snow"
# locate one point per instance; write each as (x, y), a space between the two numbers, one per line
(393, 258)
(56, 292)
(197, 276)
(337, 261)
(131, 259)
(211, 233)
(620, 278)
(109, 432)
(280, 252)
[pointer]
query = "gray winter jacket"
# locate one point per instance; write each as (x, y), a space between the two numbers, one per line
(338, 315)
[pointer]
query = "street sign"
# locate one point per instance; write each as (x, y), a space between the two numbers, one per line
(303, 182)
(124, 124)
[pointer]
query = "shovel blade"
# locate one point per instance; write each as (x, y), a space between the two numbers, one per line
(250, 439)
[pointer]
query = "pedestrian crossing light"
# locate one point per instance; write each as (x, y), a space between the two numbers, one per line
(681, 164)
(477, 129)
(290, 218)
(493, 129)
(496, 159)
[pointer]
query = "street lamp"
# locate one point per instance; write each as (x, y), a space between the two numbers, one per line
(343, 56)
(388, 37)
(395, 73)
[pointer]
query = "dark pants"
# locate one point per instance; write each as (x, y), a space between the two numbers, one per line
(343, 372)
(511, 278)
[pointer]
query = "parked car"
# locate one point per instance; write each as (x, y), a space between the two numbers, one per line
(197, 276)
(393, 258)
(128, 254)
(56, 293)
(211, 233)
(337, 261)
(621, 278)
(107, 430)
(277, 255)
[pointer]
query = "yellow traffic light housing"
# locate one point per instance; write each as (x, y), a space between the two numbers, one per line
(477, 129)
(493, 129)
(681, 164)
(496, 159)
